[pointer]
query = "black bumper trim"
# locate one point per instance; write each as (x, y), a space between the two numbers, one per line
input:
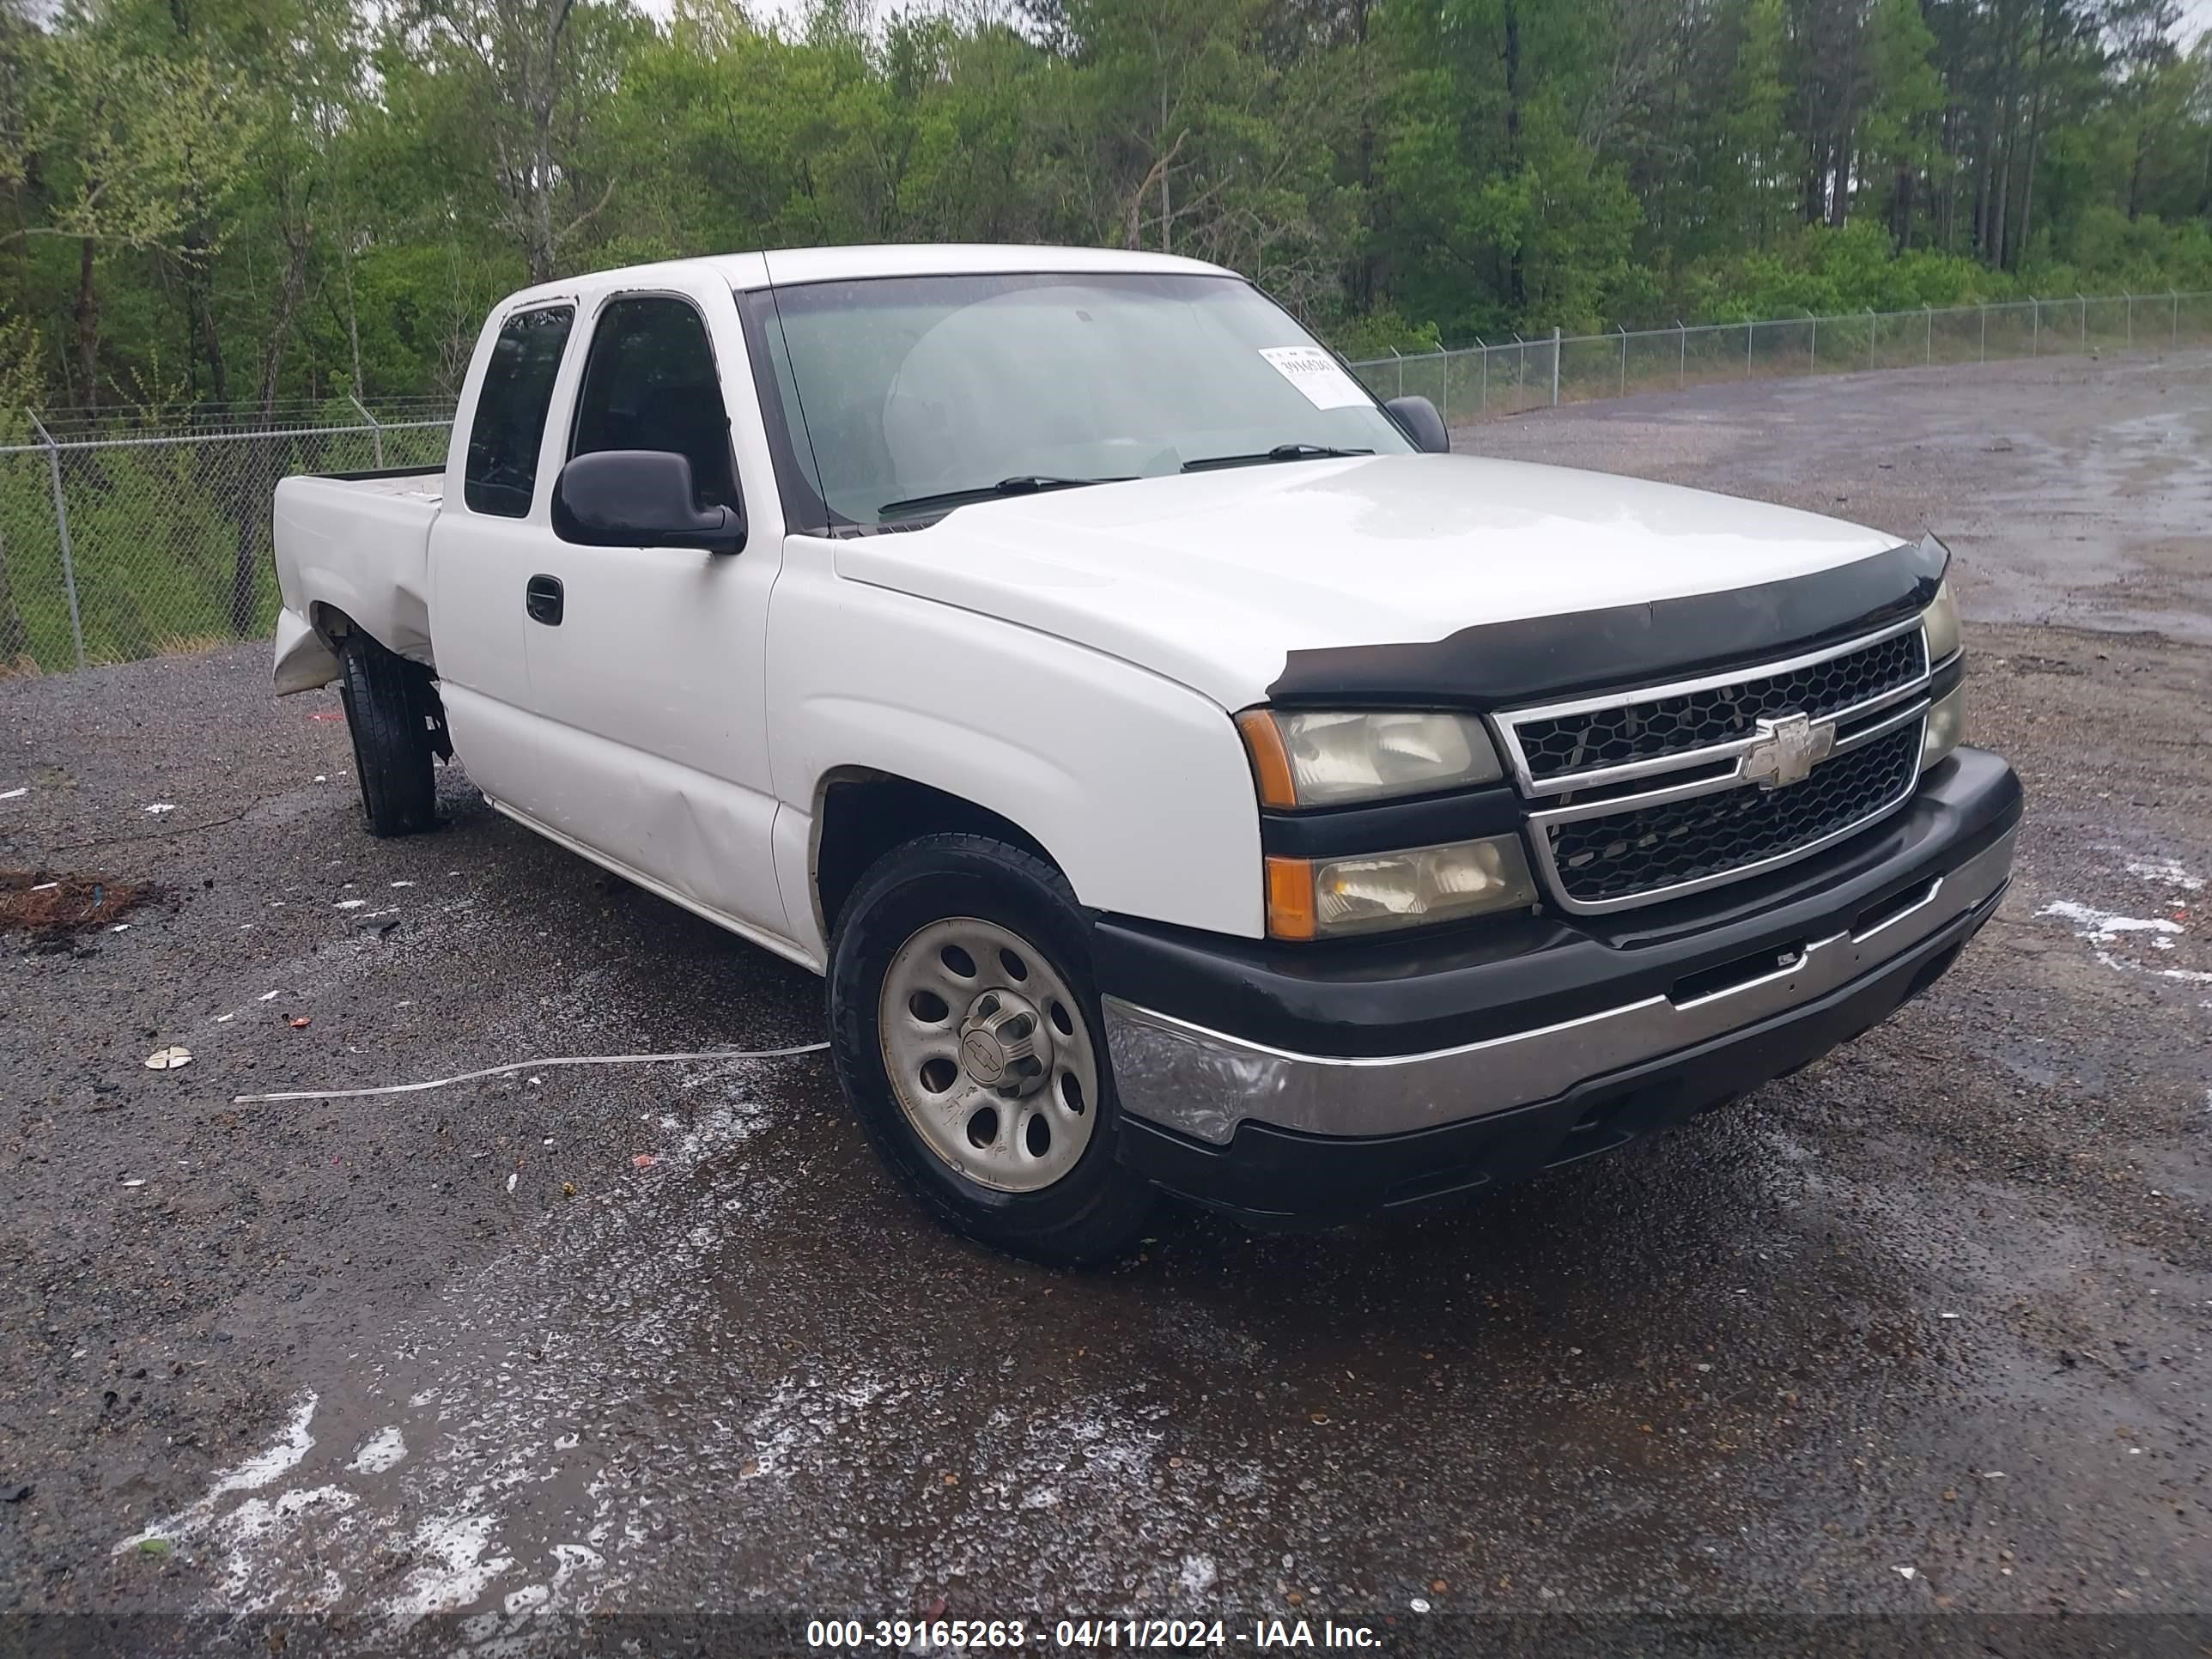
(1421, 992)
(1274, 1175)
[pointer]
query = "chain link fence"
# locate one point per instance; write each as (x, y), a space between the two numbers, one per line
(1490, 379)
(125, 538)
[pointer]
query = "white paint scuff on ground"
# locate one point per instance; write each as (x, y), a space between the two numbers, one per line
(2103, 927)
(382, 1450)
(2166, 873)
(454, 1570)
(475, 1519)
(2108, 929)
(252, 1474)
(495, 1459)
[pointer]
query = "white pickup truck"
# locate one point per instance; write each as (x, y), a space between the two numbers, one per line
(1185, 775)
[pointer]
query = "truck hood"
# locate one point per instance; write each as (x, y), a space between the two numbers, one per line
(1220, 579)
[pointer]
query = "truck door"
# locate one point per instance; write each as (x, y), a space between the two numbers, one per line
(483, 546)
(649, 678)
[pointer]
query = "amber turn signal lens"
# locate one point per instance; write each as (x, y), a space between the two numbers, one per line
(1290, 898)
(1271, 762)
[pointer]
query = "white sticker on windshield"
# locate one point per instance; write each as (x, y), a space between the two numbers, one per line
(1315, 373)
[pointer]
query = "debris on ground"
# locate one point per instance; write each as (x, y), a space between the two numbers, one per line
(327, 715)
(46, 901)
(300, 1022)
(162, 806)
(645, 1160)
(168, 1060)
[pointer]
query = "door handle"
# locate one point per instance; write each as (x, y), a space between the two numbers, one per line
(543, 599)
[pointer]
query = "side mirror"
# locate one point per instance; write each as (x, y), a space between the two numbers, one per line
(639, 498)
(1419, 416)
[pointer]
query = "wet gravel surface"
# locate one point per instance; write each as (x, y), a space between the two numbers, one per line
(1922, 1328)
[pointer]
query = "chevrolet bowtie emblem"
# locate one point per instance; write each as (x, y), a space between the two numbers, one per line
(1787, 750)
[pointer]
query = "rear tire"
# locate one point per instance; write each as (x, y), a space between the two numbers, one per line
(390, 709)
(1017, 1149)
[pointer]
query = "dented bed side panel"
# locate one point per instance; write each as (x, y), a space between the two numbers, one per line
(352, 552)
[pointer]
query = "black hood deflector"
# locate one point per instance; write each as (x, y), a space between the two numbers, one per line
(1499, 665)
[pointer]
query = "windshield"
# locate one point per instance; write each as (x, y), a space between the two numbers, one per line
(905, 396)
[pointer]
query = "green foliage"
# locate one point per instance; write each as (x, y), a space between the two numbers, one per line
(1832, 272)
(245, 201)
(22, 387)
(1379, 333)
(234, 204)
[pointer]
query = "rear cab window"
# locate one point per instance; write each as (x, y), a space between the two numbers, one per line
(650, 383)
(502, 469)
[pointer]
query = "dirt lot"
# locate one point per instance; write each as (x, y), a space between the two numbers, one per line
(1924, 1328)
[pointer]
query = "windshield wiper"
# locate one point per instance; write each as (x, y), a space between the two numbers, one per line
(1279, 452)
(1026, 484)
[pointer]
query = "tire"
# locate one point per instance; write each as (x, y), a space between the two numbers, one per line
(1047, 1185)
(389, 708)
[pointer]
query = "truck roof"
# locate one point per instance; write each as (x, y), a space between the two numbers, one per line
(784, 267)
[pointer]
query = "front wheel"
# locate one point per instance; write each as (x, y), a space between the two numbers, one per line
(966, 1034)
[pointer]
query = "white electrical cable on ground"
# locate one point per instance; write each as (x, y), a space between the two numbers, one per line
(532, 1065)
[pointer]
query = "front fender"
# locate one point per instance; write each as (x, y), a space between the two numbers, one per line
(1137, 788)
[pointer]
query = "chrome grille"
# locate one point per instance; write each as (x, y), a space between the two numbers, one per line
(1592, 738)
(1648, 848)
(1663, 790)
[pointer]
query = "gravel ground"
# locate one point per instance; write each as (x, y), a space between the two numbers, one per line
(1922, 1328)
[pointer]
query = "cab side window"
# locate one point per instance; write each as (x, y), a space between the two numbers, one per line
(650, 383)
(502, 469)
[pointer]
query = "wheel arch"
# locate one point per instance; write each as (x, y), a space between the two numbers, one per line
(862, 812)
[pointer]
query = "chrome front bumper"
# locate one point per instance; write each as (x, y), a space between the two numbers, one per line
(1203, 1084)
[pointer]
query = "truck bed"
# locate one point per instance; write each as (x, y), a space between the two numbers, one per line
(353, 551)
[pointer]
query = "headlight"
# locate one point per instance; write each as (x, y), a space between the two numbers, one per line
(1303, 759)
(1941, 619)
(1329, 898)
(1945, 729)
